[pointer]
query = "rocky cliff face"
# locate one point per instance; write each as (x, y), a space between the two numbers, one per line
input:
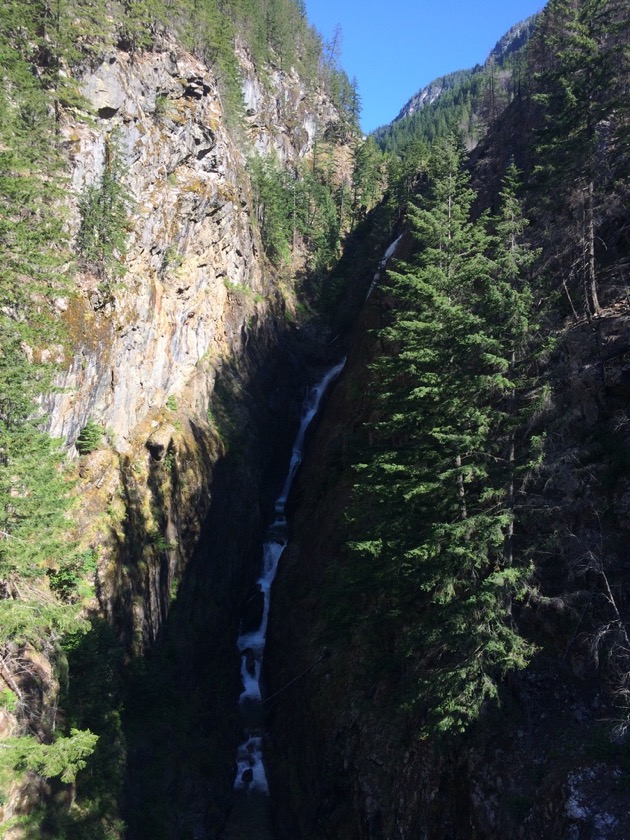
(192, 249)
(196, 293)
(191, 364)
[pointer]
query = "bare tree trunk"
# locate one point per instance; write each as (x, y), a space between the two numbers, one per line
(294, 236)
(461, 491)
(508, 545)
(576, 317)
(613, 603)
(590, 249)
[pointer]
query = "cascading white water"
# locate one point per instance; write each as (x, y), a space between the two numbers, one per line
(250, 774)
(389, 253)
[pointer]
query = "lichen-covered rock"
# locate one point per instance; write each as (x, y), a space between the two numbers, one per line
(195, 295)
(159, 442)
(194, 276)
(285, 117)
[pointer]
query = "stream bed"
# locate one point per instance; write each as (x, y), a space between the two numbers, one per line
(251, 812)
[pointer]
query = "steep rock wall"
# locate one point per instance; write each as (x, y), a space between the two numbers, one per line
(192, 364)
(196, 296)
(191, 246)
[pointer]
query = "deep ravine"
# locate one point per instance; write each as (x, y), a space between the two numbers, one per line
(251, 815)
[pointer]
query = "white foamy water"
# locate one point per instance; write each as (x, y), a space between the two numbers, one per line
(250, 774)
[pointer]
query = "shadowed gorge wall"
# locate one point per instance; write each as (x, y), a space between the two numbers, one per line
(181, 352)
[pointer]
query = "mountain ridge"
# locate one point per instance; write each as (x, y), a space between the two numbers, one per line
(511, 42)
(471, 98)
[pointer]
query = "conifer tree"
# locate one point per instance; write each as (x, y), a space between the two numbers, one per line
(432, 510)
(35, 496)
(366, 178)
(103, 209)
(508, 306)
(404, 171)
(579, 48)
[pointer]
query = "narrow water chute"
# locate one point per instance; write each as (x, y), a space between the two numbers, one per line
(250, 773)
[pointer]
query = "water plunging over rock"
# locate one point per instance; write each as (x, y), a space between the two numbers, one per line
(251, 780)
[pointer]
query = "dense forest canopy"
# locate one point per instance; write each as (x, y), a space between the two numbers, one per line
(438, 560)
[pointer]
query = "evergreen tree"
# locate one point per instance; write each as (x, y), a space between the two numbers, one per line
(579, 48)
(103, 208)
(508, 304)
(432, 509)
(138, 24)
(35, 496)
(275, 200)
(366, 178)
(405, 168)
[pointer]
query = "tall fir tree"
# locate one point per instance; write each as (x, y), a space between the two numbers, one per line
(432, 508)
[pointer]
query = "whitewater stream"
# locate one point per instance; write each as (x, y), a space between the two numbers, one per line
(250, 816)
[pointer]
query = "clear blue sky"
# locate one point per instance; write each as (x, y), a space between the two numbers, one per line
(395, 47)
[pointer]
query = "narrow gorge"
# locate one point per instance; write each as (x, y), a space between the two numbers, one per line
(314, 446)
(180, 350)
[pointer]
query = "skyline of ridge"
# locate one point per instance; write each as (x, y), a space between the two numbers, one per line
(394, 53)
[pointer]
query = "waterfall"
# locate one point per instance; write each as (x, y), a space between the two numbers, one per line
(389, 253)
(250, 774)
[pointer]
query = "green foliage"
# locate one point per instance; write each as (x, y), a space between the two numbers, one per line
(90, 437)
(32, 240)
(74, 578)
(92, 700)
(305, 205)
(319, 219)
(160, 542)
(35, 495)
(161, 106)
(275, 195)
(64, 757)
(8, 699)
(460, 98)
(367, 178)
(34, 499)
(103, 208)
(31, 621)
(433, 510)
(138, 24)
(275, 32)
(582, 55)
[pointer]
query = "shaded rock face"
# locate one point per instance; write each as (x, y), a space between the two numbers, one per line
(196, 297)
(542, 763)
(191, 765)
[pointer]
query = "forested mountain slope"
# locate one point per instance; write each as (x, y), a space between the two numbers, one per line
(190, 222)
(466, 101)
(459, 549)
